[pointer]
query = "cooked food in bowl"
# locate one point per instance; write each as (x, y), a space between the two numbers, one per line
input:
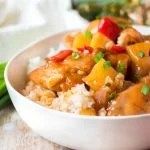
(102, 70)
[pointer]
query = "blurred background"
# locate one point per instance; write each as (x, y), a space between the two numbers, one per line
(134, 11)
(24, 21)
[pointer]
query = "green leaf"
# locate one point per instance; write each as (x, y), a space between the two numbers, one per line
(98, 57)
(145, 89)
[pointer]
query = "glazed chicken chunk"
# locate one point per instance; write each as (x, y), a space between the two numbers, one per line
(132, 101)
(62, 76)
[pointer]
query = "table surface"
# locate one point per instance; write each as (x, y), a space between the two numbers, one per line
(16, 135)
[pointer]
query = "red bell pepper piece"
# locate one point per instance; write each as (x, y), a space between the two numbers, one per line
(60, 56)
(109, 28)
(81, 49)
(117, 49)
(86, 48)
(89, 49)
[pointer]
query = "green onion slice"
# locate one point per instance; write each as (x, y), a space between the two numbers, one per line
(98, 57)
(145, 89)
(88, 34)
(141, 54)
(113, 95)
(121, 67)
(107, 64)
(75, 55)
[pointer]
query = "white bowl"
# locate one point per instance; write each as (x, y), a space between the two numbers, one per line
(70, 130)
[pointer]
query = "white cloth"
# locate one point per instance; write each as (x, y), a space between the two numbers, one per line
(24, 21)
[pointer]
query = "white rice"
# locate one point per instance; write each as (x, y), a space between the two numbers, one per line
(36, 62)
(38, 94)
(73, 100)
(54, 50)
(102, 112)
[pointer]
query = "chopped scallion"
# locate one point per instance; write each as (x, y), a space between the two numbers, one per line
(141, 54)
(98, 57)
(113, 95)
(107, 64)
(88, 34)
(145, 89)
(121, 67)
(75, 55)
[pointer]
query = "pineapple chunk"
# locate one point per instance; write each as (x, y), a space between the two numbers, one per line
(80, 41)
(96, 79)
(99, 40)
(138, 50)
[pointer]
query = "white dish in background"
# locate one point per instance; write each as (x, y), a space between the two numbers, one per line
(145, 30)
(70, 130)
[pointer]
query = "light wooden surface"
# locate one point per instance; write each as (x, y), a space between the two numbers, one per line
(16, 135)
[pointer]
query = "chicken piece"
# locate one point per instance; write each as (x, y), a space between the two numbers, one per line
(101, 97)
(84, 63)
(49, 75)
(77, 69)
(119, 61)
(146, 37)
(64, 75)
(131, 101)
(129, 36)
(88, 111)
(141, 69)
(126, 85)
(108, 91)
